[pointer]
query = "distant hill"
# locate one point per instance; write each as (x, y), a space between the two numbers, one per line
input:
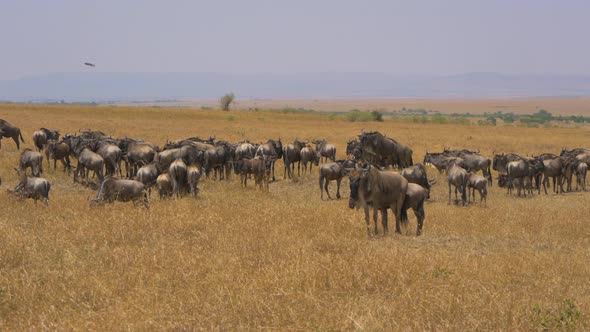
(99, 86)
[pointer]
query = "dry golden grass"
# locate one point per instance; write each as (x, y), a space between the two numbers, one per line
(236, 259)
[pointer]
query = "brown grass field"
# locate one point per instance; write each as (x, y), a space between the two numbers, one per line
(241, 259)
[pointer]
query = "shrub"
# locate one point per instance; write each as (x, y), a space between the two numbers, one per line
(226, 101)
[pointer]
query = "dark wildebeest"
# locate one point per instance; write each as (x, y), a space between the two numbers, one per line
(326, 151)
(244, 150)
(121, 190)
(32, 187)
(574, 152)
(194, 175)
(218, 159)
(473, 161)
(395, 153)
(334, 171)
(308, 155)
(581, 171)
(379, 190)
(58, 151)
(32, 159)
(354, 149)
(552, 168)
(415, 197)
(164, 185)
(271, 150)
(177, 171)
(8, 130)
(477, 182)
(259, 167)
(292, 155)
(417, 174)
(438, 160)
(457, 176)
(148, 175)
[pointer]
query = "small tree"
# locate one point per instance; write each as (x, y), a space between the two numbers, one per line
(226, 101)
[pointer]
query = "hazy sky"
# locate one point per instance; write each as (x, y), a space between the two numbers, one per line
(254, 36)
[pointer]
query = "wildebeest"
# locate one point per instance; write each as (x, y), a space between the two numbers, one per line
(472, 161)
(121, 190)
(395, 153)
(334, 171)
(111, 153)
(417, 174)
(380, 190)
(177, 171)
(8, 130)
(193, 174)
(164, 185)
(552, 168)
(415, 197)
(148, 175)
(32, 159)
(136, 154)
(58, 151)
(292, 155)
(259, 167)
(457, 177)
(271, 150)
(326, 151)
(89, 161)
(244, 150)
(438, 160)
(218, 159)
(308, 155)
(515, 167)
(477, 182)
(43, 135)
(32, 187)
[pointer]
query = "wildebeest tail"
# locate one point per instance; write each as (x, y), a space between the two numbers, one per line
(404, 211)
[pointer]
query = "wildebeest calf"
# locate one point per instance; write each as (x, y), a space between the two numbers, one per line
(32, 159)
(334, 171)
(479, 183)
(415, 197)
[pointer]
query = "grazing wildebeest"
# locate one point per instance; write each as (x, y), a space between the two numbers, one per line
(334, 171)
(177, 171)
(380, 190)
(259, 167)
(32, 187)
(477, 182)
(417, 174)
(292, 155)
(271, 150)
(326, 151)
(148, 175)
(457, 176)
(415, 197)
(308, 155)
(194, 175)
(164, 185)
(395, 153)
(58, 151)
(121, 190)
(581, 171)
(8, 130)
(32, 159)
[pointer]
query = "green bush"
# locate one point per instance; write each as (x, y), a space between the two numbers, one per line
(360, 116)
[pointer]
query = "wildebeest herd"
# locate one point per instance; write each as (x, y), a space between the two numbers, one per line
(382, 173)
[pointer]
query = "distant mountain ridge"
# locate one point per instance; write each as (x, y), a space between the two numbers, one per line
(100, 86)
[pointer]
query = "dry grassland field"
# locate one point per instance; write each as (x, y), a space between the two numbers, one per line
(242, 259)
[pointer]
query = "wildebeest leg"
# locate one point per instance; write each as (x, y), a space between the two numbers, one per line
(338, 188)
(449, 193)
(420, 215)
(398, 214)
(545, 181)
(299, 168)
(384, 221)
(15, 138)
(273, 170)
(367, 221)
(326, 188)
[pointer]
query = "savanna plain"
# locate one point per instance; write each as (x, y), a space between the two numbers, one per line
(242, 259)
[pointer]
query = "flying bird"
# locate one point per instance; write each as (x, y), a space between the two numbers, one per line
(89, 64)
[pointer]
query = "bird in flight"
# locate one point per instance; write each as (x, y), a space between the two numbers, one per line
(89, 64)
